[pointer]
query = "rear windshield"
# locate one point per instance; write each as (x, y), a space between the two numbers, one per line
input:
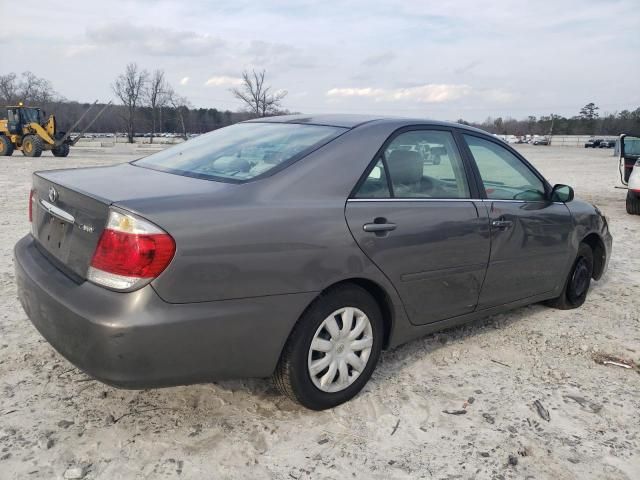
(242, 151)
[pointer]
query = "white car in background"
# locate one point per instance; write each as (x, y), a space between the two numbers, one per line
(630, 171)
(633, 194)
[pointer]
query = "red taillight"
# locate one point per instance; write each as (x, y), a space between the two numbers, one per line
(31, 205)
(131, 252)
(133, 255)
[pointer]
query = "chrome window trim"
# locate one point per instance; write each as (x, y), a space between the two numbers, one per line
(446, 200)
(412, 200)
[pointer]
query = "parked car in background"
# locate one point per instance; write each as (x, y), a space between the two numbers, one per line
(607, 143)
(297, 247)
(629, 166)
(593, 143)
(541, 141)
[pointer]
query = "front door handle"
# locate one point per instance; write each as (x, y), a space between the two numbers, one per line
(501, 224)
(378, 227)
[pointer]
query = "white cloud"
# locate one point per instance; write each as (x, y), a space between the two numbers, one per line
(184, 81)
(356, 92)
(223, 81)
(430, 93)
(155, 41)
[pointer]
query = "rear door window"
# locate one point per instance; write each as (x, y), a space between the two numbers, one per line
(420, 164)
(376, 184)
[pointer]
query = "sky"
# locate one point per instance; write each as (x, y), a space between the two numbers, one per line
(440, 59)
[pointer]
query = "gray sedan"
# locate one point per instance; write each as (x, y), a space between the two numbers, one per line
(296, 247)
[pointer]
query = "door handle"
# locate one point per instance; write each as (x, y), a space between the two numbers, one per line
(378, 227)
(501, 224)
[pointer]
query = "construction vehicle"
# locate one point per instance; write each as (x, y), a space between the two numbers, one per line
(629, 166)
(26, 129)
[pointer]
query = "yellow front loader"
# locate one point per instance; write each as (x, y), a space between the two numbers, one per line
(27, 130)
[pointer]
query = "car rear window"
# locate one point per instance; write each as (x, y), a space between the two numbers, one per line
(242, 151)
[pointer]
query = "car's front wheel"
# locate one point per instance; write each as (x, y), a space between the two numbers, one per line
(333, 349)
(577, 283)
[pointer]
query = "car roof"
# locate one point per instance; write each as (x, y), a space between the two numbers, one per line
(332, 120)
(353, 121)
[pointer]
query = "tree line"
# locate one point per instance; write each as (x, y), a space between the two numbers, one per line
(150, 105)
(587, 122)
(138, 89)
(154, 107)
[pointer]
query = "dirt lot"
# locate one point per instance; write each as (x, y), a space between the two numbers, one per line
(55, 422)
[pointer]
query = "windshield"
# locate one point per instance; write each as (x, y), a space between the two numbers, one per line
(30, 115)
(242, 151)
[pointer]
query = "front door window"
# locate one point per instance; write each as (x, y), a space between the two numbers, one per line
(504, 176)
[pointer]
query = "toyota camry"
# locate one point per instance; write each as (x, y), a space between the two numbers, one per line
(297, 248)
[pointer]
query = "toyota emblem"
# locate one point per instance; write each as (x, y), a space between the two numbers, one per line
(53, 195)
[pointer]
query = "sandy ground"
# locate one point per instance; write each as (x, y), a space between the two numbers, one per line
(55, 422)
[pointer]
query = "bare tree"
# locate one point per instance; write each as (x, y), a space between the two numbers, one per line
(129, 87)
(8, 88)
(157, 96)
(258, 97)
(181, 106)
(28, 88)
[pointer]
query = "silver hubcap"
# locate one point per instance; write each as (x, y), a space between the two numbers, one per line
(340, 349)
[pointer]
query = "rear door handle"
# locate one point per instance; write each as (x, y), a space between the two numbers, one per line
(501, 224)
(378, 227)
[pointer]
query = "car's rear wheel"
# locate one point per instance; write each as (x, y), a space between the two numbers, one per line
(578, 282)
(633, 203)
(333, 349)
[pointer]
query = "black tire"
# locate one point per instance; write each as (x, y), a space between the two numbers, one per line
(6, 147)
(32, 146)
(633, 203)
(577, 283)
(292, 377)
(61, 151)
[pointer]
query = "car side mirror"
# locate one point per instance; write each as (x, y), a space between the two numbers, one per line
(561, 193)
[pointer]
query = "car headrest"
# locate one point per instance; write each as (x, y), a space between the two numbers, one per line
(405, 166)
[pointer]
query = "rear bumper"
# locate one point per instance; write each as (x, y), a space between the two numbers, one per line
(136, 340)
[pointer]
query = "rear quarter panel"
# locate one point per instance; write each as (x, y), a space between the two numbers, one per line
(279, 235)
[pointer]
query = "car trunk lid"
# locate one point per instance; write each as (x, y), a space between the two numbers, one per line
(66, 224)
(71, 206)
